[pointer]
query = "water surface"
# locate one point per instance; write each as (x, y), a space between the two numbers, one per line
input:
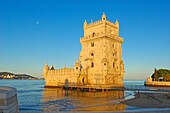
(33, 97)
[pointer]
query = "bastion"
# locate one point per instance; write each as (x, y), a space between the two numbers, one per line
(100, 64)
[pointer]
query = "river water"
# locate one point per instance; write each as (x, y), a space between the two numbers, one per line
(33, 97)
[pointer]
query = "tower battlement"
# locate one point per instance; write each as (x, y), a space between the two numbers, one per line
(93, 24)
(102, 27)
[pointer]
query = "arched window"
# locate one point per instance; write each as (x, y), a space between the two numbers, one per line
(104, 64)
(92, 64)
(92, 54)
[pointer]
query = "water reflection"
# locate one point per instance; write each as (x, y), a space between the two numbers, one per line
(57, 99)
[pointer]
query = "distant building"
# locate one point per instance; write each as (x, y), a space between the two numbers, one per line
(8, 76)
(100, 62)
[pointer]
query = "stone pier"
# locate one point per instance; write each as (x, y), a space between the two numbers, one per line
(8, 100)
(149, 82)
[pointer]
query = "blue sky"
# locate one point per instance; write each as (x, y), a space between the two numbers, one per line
(26, 46)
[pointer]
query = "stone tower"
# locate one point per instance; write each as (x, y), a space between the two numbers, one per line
(45, 70)
(101, 54)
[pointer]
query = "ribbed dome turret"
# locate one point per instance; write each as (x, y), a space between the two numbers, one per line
(52, 68)
(103, 16)
(46, 67)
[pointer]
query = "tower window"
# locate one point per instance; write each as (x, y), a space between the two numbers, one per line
(105, 64)
(76, 68)
(93, 34)
(113, 65)
(92, 54)
(92, 44)
(92, 64)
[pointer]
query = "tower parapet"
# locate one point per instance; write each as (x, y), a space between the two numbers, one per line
(101, 28)
(93, 24)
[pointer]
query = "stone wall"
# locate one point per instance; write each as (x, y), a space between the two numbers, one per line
(8, 100)
(149, 82)
(157, 83)
(61, 77)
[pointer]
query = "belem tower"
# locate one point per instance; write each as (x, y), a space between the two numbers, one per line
(100, 63)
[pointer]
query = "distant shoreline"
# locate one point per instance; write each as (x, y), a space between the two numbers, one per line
(23, 79)
(12, 76)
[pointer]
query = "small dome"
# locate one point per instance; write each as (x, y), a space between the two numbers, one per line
(77, 61)
(85, 23)
(103, 16)
(46, 66)
(117, 23)
(52, 68)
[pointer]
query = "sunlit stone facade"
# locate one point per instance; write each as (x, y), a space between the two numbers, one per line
(100, 64)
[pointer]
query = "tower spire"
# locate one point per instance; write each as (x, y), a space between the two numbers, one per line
(85, 23)
(103, 17)
(117, 23)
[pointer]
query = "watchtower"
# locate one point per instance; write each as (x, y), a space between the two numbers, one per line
(101, 53)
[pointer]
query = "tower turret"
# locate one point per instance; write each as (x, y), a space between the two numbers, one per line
(52, 68)
(45, 70)
(103, 17)
(77, 66)
(85, 24)
(117, 24)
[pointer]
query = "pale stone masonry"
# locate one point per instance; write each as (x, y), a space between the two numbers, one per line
(149, 82)
(100, 62)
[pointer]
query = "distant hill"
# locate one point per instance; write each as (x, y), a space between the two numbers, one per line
(9, 75)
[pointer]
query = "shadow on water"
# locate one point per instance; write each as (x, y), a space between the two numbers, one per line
(58, 99)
